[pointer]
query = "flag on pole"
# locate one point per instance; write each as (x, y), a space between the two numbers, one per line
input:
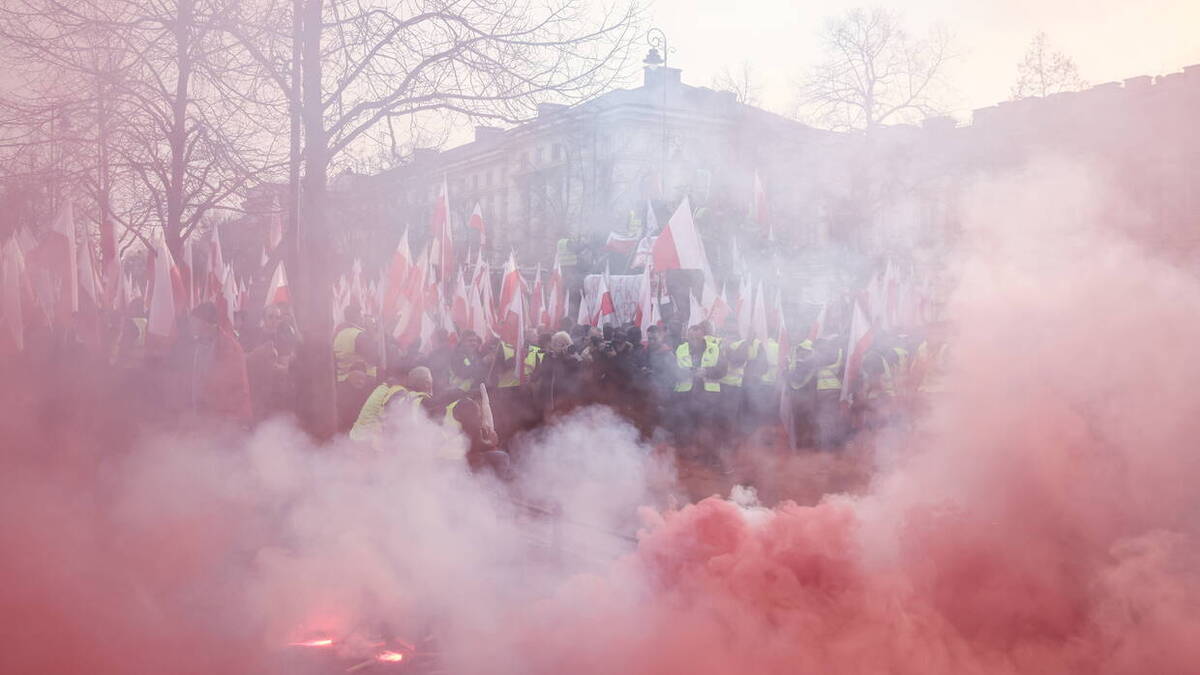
(648, 312)
(161, 317)
(679, 246)
(651, 228)
(818, 325)
(277, 290)
(695, 311)
(476, 223)
(397, 276)
(605, 309)
(857, 344)
(558, 306)
(57, 259)
(758, 318)
(443, 246)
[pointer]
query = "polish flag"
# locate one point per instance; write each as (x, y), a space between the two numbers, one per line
(277, 290)
(411, 305)
(162, 313)
(443, 246)
(511, 301)
(230, 300)
(651, 228)
(397, 276)
(679, 246)
(584, 317)
(648, 311)
(558, 306)
(758, 204)
(460, 304)
(606, 310)
(476, 223)
(718, 307)
(858, 342)
(538, 315)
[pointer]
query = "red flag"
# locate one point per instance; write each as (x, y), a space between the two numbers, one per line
(718, 309)
(512, 304)
(277, 291)
(858, 342)
(679, 246)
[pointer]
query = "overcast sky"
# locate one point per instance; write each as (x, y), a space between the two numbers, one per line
(1108, 39)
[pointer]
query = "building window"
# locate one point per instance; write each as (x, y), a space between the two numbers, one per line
(558, 151)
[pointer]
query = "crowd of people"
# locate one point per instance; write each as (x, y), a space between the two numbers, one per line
(702, 389)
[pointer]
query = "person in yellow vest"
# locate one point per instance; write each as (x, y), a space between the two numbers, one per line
(698, 388)
(801, 381)
(830, 418)
(734, 355)
(354, 366)
(467, 369)
(369, 423)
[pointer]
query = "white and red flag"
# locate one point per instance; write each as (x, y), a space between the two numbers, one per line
(558, 305)
(538, 317)
(758, 319)
(277, 290)
(397, 276)
(718, 309)
(475, 222)
(857, 343)
(647, 312)
(460, 304)
(605, 309)
(442, 254)
(163, 310)
(679, 246)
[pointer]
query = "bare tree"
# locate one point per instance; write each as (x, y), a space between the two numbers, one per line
(136, 80)
(874, 73)
(360, 64)
(1045, 71)
(741, 82)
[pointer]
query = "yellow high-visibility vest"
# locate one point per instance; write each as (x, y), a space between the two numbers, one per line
(828, 377)
(346, 358)
(532, 359)
(566, 256)
(370, 418)
(508, 376)
(708, 359)
(735, 374)
(772, 350)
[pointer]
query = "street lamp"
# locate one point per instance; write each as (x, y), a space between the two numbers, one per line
(657, 60)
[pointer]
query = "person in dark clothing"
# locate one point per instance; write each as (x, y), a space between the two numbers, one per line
(555, 381)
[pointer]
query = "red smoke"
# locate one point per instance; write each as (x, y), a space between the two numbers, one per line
(1041, 519)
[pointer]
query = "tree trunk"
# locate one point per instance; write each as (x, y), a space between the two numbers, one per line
(177, 135)
(313, 273)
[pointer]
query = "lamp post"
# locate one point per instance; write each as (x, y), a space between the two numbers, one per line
(656, 59)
